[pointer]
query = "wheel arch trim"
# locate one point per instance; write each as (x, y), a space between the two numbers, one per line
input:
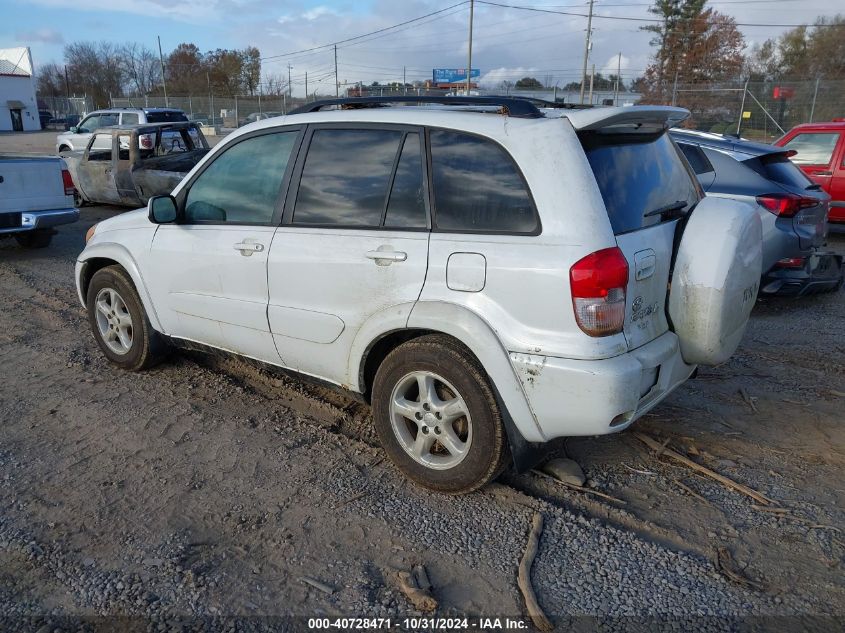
(121, 256)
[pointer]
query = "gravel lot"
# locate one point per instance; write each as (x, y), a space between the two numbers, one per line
(203, 491)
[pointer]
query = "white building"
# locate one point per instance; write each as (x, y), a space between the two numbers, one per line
(18, 107)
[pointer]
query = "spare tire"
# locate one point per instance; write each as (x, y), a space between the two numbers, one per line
(715, 279)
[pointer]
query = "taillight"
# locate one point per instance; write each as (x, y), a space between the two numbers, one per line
(146, 141)
(790, 262)
(67, 181)
(598, 283)
(785, 205)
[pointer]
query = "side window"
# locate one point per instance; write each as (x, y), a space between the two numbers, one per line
(406, 205)
(89, 124)
(123, 145)
(242, 185)
(477, 186)
(129, 118)
(697, 160)
(108, 119)
(101, 148)
(346, 176)
(814, 148)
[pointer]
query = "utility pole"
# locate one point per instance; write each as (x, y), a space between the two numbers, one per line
(290, 85)
(592, 77)
(210, 97)
(618, 73)
(336, 82)
(405, 84)
(163, 80)
(469, 54)
(67, 84)
(306, 86)
(587, 43)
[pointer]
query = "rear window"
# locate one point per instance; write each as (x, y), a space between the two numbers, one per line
(778, 168)
(697, 160)
(638, 174)
(165, 117)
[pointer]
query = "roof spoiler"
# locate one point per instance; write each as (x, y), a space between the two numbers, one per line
(599, 118)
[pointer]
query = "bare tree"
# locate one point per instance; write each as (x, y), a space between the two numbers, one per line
(141, 68)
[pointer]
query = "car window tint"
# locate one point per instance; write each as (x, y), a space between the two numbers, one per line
(638, 174)
(101, 146)
(813, 148)
(165, 117)
(697, 160)
(345, 178)
(406, 206)
(129, 118)
(477, 186)
(108, 119)
(90, 124)
(242, 185)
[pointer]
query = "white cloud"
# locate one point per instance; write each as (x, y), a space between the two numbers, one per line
(318, 12)
(45, 36)
(494, 78)
(613, 63)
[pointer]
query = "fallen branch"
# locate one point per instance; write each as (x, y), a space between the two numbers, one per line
(578, 488)
(317, 585)
(523, 578)
(749, 400)
(772, 510)
(420, 598)
(686, 461)
(639, 472)
(726, 565)
(691, 491)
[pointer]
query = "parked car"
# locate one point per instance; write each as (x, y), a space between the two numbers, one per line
(77, 137)
(486, 279)
(36, 194)
(45, 117)
(792, 208)
(820, 153)
(118, 167)
(259, 116)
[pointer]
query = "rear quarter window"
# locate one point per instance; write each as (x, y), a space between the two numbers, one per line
(477, 187)
(637, 174)
(778, 168)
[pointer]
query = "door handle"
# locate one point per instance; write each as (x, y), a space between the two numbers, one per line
(644, 264)
(387, 256)
(822, 173)
(248, 248)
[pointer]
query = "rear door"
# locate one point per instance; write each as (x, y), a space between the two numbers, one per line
(353, 245)
(95, 172)
(646, 187)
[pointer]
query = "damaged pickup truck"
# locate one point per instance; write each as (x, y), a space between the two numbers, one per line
(127, 165)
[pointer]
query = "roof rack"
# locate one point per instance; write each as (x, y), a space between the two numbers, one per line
(511, 106)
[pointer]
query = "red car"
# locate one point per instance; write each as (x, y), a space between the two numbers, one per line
(820, 153)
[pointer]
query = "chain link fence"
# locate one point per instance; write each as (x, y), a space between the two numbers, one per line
(760, 110)
(65, 111)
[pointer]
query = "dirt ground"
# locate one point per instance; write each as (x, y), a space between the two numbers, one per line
(210, 488)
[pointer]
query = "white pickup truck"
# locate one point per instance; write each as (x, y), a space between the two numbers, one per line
(36, 194)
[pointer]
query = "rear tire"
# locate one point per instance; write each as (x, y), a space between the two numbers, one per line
(119, 322)
(437, 416)
(40, 238)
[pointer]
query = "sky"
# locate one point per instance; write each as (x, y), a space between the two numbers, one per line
(507, 43)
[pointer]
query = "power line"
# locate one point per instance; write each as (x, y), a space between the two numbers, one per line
(633, 19)
(358, 37)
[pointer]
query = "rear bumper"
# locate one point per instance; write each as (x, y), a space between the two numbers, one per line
(821, 272)
(597, 397)
(32, 220)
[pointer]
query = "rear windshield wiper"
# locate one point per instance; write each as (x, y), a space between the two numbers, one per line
(668, 209)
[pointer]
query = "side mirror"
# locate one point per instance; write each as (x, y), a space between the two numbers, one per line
(162, 209)
(74, 129)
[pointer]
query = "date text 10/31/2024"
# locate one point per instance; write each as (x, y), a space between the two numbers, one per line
(419, 624)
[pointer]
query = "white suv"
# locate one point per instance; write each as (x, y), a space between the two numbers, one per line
(76, 139)
(488, 274)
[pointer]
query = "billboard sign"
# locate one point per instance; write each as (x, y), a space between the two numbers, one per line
(453, 75)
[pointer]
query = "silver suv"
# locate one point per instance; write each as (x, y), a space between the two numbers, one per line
(77, 137)
(487, 273)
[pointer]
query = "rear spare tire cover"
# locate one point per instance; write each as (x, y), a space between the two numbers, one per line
(715, 280)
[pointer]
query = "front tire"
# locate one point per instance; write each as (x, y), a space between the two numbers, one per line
(119, 322)
(437, 416)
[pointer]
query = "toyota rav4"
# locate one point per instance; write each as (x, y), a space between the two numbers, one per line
(487, 273)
